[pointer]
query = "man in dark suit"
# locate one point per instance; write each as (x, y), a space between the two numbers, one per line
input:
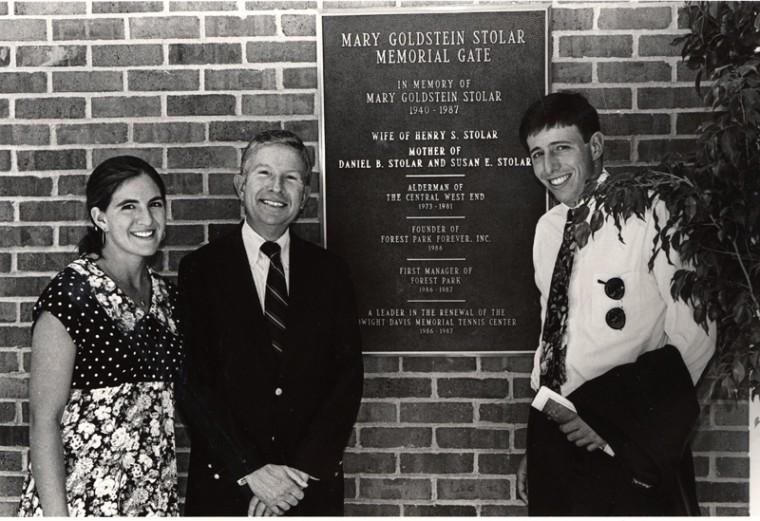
(274, 373)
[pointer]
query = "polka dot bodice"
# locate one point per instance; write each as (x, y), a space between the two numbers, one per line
(116, 341)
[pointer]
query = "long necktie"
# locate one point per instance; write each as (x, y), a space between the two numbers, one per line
(554, 338)
(276, 296)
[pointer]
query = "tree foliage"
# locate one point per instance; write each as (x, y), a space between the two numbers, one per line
(713, 198)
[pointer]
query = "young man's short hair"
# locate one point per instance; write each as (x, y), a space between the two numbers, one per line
(561, 109)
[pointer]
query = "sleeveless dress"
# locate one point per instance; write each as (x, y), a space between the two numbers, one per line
(118, 424)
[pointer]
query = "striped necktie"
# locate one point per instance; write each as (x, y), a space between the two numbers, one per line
(554, 337)
(276, 296)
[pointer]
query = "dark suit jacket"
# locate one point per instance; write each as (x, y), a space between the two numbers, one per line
(646, 411)
(247, 406)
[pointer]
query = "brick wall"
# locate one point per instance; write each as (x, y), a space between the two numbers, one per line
(184, 85)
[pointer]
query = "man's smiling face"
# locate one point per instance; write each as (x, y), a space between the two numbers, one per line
(272, 188)
(563, 161)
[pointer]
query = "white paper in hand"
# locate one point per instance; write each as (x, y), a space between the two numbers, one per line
(558, 409)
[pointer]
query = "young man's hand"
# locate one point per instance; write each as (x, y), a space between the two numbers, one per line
(579, 432)
(522, 479)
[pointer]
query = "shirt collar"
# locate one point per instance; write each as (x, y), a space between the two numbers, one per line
(590, 199)
(253, 241)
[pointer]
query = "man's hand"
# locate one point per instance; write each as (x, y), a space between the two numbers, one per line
(257, 508)
(522, 479)
(581, 434)
(272, 485)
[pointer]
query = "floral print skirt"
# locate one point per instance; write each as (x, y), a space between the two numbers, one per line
(119, 453)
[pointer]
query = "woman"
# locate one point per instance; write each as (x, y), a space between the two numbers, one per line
(105, 350)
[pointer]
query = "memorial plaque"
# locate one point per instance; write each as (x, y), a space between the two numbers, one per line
(428, 193)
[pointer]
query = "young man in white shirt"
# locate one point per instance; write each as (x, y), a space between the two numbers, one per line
(602, 309)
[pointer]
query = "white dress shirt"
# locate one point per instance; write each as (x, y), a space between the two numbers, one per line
(653, 318)
(259, 262)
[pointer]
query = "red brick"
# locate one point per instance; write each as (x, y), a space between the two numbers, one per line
(31, 211)
(5, 160)
(221, 184)
(369, 463)
(236, 130)
(723, 492)
(13, 236)
(479, 488)
(436, 364)
(10, 460)
(259, 25)
(236, 79)
(127, 55)
(3, 8)
(24, 135)
(651, 150)
(730, 413)
(668, 97)
(353, 4)
(617, 46)
(51, 56)
(203, 53)
(380, 364)
(93, 29)
(439, 510)
(183, 183)
(175, 257)
(26, 82)
(9, 359)
(733, 441)
(732, 467)
(216, 5)
(279, 4)
(44, 261)
(439, 463)
(15, 387)
(507, 363)
(658, 45)
(684, 73)
(397, 387)
(635, 124)
(472, 438)
(51, 160)
(278, 104)
(26, 316)
(4, 108)
(395, 488)
(11, 485)
(635, 18)
(617, 150)
(184, 235)
(198, 210)
(309, 131)
(6, 211)
(701, 466)
(154, 156)
(95, 133)
(5, 56)
(23, 30)
(520, 439)
(126, 107)
(14, 436)
(608, 99)
(71, 235)
(25, 185)
(5, 262)
(571, 72)
(7, 314)
(299, 24)
(163, 27)
(377, 412)
(127, 7)
(163, 80)
(200, 105)
(504, 412)
(7, 412)
(473, 388)
(203, 157)
(179, 132)
(267, 52)
(48, 8)
(572, 19)
(504, 510)
(369, 509)
(437, 412)
(502, 464)
(633, 72)
(50, 108)
(388, 437)
(87, 81)
(689, 122)
(218, 230)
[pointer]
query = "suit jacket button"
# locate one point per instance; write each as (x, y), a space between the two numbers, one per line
(216, 476)
(278, 391)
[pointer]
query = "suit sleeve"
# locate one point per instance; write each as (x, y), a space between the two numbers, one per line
(197, 390)
(321, 453)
